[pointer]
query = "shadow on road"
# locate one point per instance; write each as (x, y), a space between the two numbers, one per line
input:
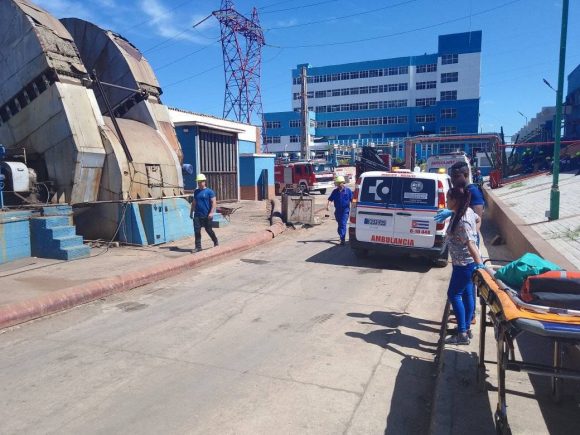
(343, 256)
(412, 393)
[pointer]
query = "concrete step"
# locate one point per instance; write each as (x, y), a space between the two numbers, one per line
(68, 242)
(60, 232)
(49, 222)
(73, 253)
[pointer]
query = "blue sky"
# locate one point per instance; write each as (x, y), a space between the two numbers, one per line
(520, 44)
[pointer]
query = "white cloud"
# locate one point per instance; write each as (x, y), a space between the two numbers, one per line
(170, 24)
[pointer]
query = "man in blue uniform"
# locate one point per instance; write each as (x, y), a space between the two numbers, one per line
(341, 197)
(202, 210)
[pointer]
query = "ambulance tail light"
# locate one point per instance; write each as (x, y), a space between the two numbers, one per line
(352, 217)
(440, 203)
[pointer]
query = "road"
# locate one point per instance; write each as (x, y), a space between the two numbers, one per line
(296, 337)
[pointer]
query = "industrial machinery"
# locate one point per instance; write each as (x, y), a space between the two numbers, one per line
(83, 105)
(371, 160)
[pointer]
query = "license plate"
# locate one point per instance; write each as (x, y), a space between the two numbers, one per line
(375, 222)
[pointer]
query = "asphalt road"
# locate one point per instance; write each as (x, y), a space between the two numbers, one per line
(296, 337)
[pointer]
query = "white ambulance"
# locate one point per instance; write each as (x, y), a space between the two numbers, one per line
(393, 213)
(435, 163)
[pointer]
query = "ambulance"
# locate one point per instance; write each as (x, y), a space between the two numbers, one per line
(393, 213)
(435, 163)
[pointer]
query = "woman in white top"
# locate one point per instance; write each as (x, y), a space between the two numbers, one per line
(465, 257)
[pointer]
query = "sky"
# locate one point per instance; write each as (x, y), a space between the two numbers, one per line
(520, 44)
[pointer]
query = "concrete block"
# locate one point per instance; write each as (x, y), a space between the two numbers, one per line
(74, 253)
(60, 232)
(68, 242)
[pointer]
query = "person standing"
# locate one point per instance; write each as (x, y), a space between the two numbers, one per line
(202, 211)
(341, 197)
(465, 257)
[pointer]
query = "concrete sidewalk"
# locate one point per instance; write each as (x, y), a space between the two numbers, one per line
(25, 281)
(461, 406)
(519, 211)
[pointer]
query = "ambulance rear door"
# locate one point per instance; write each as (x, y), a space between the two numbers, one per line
(416, 206)
(373, 214)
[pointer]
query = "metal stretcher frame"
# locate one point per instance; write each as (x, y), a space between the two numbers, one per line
(507, 327)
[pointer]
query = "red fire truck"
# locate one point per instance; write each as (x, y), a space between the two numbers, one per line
(308, 175)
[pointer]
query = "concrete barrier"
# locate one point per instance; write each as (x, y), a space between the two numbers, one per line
(518, 235)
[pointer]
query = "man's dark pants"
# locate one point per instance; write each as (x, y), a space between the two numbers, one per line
(200, 222)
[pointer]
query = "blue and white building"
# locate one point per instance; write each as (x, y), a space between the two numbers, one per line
(384, 101)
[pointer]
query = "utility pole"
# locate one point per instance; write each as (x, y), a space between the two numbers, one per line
(555, 191)
(305, 146)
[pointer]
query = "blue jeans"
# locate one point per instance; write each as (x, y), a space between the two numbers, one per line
(460, 294)
(342, 219)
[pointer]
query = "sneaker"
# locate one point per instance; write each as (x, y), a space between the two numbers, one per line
(454, 332)
(197, 249)
(342, 242)
(459, 339)
(216, 243)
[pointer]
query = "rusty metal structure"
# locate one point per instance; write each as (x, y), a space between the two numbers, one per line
(83, 105)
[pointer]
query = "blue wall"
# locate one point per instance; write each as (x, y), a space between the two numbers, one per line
(251, 167)
(457, 43)
(188, 147)
(246, 147)
(14, 235)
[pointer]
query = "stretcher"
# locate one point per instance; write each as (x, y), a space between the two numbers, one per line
(510, 316)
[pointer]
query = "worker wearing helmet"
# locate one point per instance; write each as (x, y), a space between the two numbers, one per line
(341, 197)
(202, 211)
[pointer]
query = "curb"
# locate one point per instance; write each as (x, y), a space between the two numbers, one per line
(60, 300)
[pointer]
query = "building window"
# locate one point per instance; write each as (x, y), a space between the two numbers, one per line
(449, 77)
(296, 96)
(448, 95)
(354, 75)
(423, 119)
(344, 92)
(363, 121)
(272, 139)
(448, 130)
(320, 94)
(448, 59)
(403, 86)
(353, 91)
(344, 76)
(403, 70)
(448, 113)
(425, 102)
(336, 92)
(272, 124)
(294, 139)
(426, 85)
(432, 67)
(295, 123)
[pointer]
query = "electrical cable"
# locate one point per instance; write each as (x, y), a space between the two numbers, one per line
(193, 76)
(300, 7)
(327, 20)
(403, 32)
(185, 56)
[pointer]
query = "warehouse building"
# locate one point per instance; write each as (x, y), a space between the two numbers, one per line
(385, 100)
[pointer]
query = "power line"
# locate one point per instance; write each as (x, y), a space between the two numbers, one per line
(173, 62)
(194, 75)
(300, 7)
(327, 20)
(403, 32)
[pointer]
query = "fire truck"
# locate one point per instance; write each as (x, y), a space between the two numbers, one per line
(307, 175)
